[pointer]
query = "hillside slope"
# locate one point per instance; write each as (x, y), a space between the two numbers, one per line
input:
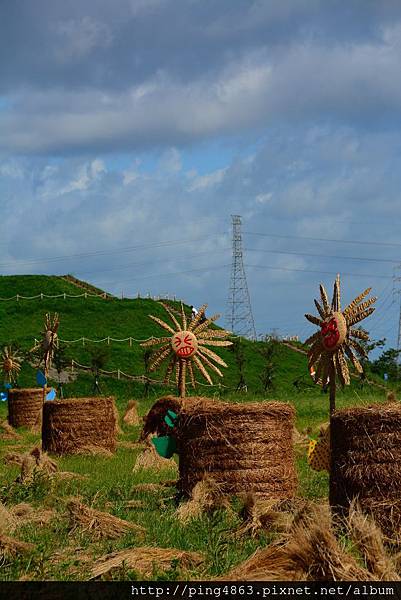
(96, 318)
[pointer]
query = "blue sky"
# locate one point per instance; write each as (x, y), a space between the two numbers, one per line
(131, 131)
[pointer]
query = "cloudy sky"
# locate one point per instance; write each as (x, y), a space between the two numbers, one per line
(131, 131)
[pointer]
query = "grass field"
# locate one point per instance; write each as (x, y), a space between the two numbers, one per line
(60, 553)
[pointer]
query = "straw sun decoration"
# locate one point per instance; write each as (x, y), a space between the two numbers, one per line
(184, 349)
(337, 338)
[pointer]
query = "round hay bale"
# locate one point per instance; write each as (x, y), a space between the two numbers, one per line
(366, 462)
(74, 424)
(243, 447)
(25, 407)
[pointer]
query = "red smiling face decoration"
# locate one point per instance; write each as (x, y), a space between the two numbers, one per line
(184, 344)
(334, 331)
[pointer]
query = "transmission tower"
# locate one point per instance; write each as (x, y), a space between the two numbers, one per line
(239, 313)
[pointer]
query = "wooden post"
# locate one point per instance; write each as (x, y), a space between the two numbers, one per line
(332, 383)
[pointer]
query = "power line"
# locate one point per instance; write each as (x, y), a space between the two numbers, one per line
(167, 274)
(147, 262)
(298, 237)
(104, 252)
(319, 272)
(388, 260)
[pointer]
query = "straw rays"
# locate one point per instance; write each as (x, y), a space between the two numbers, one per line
(336, 341)
(10, 364)
(184, 350)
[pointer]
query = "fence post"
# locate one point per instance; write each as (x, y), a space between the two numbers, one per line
(130, 341)
(72, 366)
(83, 341)
(108, 340)
(17, 297)
(86, 295)
(65, 295)
(118, 373)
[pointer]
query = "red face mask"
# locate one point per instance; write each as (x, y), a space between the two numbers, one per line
(184, 344)
(330, 333)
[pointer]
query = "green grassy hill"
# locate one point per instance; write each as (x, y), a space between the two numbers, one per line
(96, 318)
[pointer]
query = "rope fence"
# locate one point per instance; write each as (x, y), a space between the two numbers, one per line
(107, 339)
(85, 295)
(141, 378)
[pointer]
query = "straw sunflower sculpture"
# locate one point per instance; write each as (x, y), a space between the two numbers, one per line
(10, 364)
(337, 338)
(185, 350)
(47, 345)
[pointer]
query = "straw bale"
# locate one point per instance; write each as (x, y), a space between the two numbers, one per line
(149, 459)
(206, 496)
(309, 552)
(25, 407)
(366, 462)
(79, 425)
(244, 447)
(131, 416)
(99, 524)
(10, 547)
(147, 560)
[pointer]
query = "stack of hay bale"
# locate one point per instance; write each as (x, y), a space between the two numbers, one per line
(243, 447)
(366, 462)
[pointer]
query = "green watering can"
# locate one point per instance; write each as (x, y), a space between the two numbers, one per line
(166, 445)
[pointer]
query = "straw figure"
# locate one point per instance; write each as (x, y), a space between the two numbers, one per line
(10, 364)
(336, 338)
(185, 348)
(47, 345)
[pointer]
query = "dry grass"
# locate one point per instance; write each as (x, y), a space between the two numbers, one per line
(369, 539)
(131, 416)
(99, 524)
(7, 432)
(146, 561)
(131, 445)
(148, 487)
(310, 552)
(150, 459)
(35, 461)
(265, 515)
(10, 548)
(15, 516)
(206, 496)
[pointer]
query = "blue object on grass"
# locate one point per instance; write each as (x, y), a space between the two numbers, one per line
(41, 379)
(51, 395)
(3, 396)
(8, 386)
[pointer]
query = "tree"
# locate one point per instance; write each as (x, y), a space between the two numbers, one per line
(388, 363)
(268, 350)
(238, 350)
(99, 357)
